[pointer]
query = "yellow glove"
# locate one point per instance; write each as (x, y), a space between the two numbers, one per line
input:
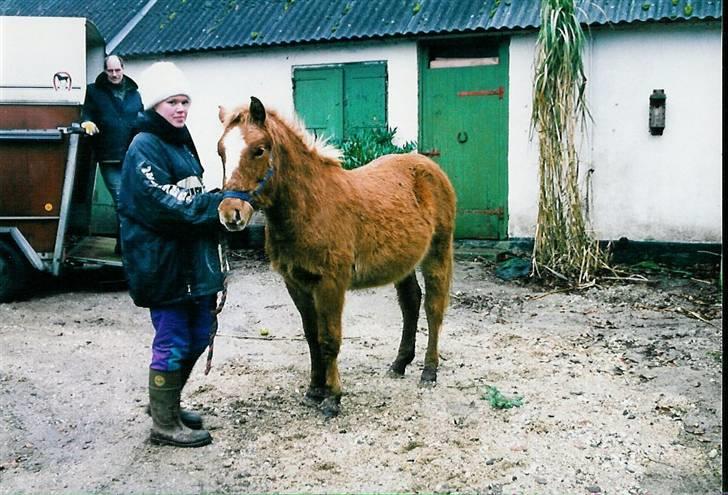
(90, 128)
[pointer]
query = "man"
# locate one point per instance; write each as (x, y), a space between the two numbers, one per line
(110, 110)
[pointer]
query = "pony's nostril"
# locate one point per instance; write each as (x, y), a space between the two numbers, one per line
(237, 217)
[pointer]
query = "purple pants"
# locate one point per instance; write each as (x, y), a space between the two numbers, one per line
(182, 331)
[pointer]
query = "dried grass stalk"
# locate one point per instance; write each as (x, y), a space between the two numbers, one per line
(563, 242)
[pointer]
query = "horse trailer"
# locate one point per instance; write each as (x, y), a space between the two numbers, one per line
(55, 212)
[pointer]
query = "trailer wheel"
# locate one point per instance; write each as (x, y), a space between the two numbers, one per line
(15, 272)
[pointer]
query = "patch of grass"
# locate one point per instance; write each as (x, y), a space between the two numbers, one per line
(411, 445)
(499, 401)
(716, 355)
(649, 266)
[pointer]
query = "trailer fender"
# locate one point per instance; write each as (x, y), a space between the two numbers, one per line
(13, 236)
(15, 271)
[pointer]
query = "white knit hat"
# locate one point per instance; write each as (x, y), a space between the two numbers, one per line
(160, 81)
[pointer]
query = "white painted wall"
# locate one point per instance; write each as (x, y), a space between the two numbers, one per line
(644, 187)
(658, 187)
(229, 79)
(522, 150)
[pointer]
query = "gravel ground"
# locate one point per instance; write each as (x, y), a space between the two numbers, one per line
(621, 389)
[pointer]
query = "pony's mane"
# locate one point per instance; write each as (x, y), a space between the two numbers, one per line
(315, 144)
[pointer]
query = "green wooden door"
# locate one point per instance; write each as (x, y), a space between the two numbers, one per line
(464, 127)
(342, 100)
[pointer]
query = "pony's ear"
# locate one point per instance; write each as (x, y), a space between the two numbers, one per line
(228, 117)
(257, 111)
(221, 113)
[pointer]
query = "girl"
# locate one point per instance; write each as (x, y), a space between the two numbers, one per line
(169, 244)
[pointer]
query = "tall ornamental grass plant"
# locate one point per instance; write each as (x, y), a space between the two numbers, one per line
(563, 244)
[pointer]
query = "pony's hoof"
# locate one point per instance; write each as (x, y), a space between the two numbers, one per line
(314, 396)
(429, 377)
(330, 407)
(395, 372)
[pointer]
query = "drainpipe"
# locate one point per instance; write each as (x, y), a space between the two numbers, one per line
(116, 40)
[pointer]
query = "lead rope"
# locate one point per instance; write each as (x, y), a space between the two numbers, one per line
(224, 260)
(224, 263)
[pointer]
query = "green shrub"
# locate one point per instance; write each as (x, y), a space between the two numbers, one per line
(370, 144)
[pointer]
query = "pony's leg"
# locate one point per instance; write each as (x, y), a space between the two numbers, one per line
(305, 305)
(437, 272)
(409, 296)
(328, 297)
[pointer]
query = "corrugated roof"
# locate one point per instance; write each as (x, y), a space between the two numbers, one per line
(195, 25)
(109, 16)
(174, 26)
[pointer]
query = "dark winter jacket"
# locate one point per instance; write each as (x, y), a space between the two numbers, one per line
(114, 117)
(169, 224)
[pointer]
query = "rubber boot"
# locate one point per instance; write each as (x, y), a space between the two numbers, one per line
(167, 428)
(189, 418)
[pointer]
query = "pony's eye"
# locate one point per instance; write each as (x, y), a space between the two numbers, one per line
(259, 152)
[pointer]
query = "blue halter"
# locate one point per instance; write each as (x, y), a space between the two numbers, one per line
(250, 197)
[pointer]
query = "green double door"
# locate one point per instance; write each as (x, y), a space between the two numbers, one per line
(464, 127)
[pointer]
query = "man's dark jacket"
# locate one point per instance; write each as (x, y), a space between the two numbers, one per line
(169, 225)
(114, 117)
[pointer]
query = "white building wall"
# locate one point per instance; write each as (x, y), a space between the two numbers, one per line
(644, 187)
(522, 150)
(229, 79)
(658, 187)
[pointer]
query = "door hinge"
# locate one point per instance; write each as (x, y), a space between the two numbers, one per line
(497, 212)
(485, 92)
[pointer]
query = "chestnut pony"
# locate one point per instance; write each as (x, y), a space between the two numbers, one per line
(330, 229)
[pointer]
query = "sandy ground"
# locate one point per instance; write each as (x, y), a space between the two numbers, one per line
(621, 388)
